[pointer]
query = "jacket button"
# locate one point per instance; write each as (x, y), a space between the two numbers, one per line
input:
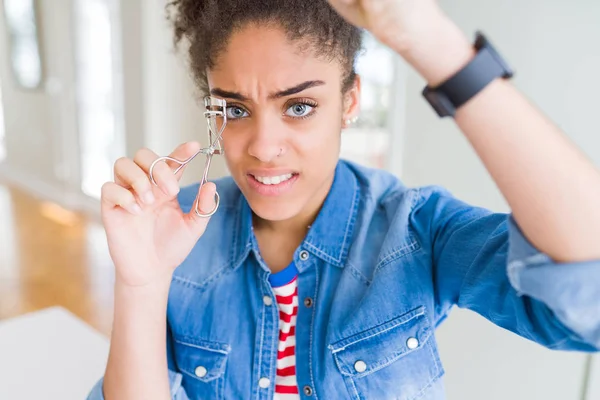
(200, 372)
(304, 255)
(264, 382)
(308, 390)
(308, 302)
(268, 300)
(360, 366)
(412, 343)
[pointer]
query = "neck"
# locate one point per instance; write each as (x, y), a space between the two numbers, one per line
(278, 240)
(298, 225)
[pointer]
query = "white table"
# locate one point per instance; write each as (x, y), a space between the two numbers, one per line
(49, 354)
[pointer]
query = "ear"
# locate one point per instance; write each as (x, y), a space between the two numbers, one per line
(351, 104)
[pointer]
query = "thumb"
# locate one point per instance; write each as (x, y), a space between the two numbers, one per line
(183, 152)
(206, 204)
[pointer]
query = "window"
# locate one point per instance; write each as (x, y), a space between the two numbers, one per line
(24, 52)
(368, 140)
(2, 133)
(98, 96)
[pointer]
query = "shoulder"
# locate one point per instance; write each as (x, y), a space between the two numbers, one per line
(401, 216)
(392, 215)
(380, 190)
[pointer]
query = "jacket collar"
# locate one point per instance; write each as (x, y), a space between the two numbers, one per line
(330, 235)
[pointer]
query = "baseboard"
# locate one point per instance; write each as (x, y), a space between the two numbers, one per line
(71, 200)
(593, 380)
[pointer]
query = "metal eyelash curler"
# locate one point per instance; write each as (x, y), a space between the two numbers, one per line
(215, 109)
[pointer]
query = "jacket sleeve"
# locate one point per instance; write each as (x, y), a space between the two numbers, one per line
(483, 262)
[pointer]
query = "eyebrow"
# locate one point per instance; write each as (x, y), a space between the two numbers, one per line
(283, 93)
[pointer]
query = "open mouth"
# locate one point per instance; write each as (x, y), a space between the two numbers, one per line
(273, 180)
(272, 185)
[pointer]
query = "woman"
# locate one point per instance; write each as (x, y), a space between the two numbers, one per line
(317, 277)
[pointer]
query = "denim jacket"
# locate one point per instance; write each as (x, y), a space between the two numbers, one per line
(379, 270)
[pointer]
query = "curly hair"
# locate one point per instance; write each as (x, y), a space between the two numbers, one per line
(207, 25)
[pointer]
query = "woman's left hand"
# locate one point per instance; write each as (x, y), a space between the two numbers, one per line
(418, 30)
(393, 22)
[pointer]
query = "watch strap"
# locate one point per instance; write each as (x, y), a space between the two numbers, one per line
(470, 80)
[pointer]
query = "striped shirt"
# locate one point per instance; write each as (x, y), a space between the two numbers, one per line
(285, 286)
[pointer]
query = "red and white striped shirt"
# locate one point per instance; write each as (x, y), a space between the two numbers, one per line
(285, 286)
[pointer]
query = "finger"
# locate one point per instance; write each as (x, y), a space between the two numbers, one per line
(145, 157)
(165, 179)
(183, 152)
(351, 10)
(206, 203)
(113, 195)
(206, 198)
(129, 175)
(162, 173)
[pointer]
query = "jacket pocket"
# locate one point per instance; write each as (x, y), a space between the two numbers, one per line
(203, 365)
(396, 359)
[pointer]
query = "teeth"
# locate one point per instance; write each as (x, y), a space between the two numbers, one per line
(273, 180)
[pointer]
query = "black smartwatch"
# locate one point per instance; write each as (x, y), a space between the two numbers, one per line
(466, 83)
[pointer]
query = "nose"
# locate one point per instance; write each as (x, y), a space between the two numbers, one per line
(267, 139)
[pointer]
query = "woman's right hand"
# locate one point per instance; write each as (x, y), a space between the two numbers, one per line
(148, 234)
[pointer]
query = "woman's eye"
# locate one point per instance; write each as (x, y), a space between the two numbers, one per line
(299, 110)
(236, 112)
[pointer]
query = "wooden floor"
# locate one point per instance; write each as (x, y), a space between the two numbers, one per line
(49, 257)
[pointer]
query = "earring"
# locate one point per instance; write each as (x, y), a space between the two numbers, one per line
(351, 121)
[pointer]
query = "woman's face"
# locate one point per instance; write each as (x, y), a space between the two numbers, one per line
(285, 112)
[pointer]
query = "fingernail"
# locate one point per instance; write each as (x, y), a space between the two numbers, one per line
(149, 198)
(135, 209)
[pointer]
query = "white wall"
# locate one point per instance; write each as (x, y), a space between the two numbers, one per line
(553, 45)
(160, 106)
(36, 152)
